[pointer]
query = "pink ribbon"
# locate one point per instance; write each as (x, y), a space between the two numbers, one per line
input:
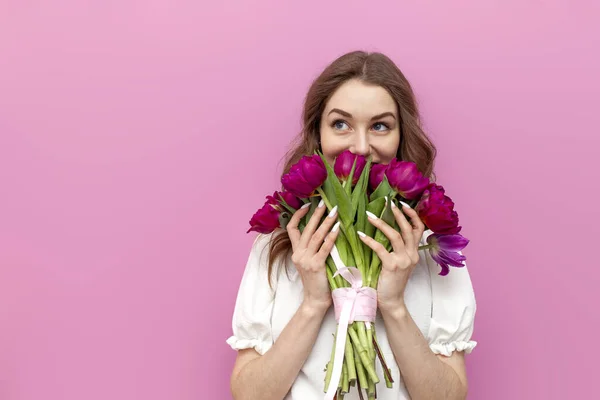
(356, 303)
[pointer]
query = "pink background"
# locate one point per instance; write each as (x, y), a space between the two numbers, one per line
(137, 138)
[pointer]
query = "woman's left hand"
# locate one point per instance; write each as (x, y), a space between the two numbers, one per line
(396, 266)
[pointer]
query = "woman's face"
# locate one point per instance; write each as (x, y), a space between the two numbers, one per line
(363, 119)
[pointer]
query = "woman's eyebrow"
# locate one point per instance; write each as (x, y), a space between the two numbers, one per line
(385, 114)
(344, 113)
(348, 115)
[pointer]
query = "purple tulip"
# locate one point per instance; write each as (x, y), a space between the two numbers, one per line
(437, 211)
(289, 198)
(406, 179)
(377, 174)
(343, 166)
(305, 176)
(266, 219)
(445, 250)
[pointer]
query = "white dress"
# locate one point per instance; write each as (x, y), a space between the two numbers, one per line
(443, 307)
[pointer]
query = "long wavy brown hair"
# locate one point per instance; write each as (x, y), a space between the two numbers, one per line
(370, 68)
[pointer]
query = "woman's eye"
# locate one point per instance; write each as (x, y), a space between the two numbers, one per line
(340, 125)
(380, 127)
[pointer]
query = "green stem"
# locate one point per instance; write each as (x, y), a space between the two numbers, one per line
(329, 370)
(360, 371)
(330, 278)
(371, 390)
(345, 381)
(349, 353)
(425, 247)
(363, 354)
(370, 341)
(339, 281)
(325, 199)
(353, 242)
(362, 335)
(387, 372)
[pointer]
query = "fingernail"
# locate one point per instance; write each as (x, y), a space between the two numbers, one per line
(360, 234)
(371, 215)
(332, 212)
(386, 200)
(405, 205)
(336, 226)
(321, 203)
(393, 205)
(304, 206)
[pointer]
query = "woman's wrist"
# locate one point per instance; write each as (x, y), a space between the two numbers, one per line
(313, 308)
(396, 310)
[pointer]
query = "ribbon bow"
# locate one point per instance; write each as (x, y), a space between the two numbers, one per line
(356, 303)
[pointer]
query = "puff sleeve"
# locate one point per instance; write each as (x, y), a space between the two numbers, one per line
(254, 304)
(452, 311)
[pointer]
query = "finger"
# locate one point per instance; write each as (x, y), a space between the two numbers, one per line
(392, 234)
(292, 226)
(317, 239)
(312, 225)
(377, 247)
(327, 246)
(415, 220)
(405, 227)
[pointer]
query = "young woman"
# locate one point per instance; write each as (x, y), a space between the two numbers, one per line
(283, 320)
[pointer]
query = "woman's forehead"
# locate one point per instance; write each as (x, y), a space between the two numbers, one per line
(361, 100)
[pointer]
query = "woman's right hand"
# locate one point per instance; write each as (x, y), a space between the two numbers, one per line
(310, 250)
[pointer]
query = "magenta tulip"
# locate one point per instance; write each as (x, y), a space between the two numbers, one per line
(288, 197)
(445, 251)
(305, 176)
(406, 179)
(437, 210)
(377, 174)
(343, 166)
(266, 219)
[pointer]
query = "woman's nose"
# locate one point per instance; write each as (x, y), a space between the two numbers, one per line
(361, 144)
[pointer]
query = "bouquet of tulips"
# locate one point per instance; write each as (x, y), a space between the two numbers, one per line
(356, 186)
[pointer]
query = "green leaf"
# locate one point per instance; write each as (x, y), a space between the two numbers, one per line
(382, 190)
(348, 186)
(314, 202)
(362, 224)
(345, 210)
(361, 186)
(284, 219)
(361, 213)
(355, 247)
(387, 215)
(376, 207)
(286, 205)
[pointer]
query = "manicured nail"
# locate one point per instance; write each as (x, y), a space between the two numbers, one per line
(361, 234)
(393, 205)
(304, 206)
(371, 215)
(332, 212)
(405, 205)
(336, 226)
(321, 203)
